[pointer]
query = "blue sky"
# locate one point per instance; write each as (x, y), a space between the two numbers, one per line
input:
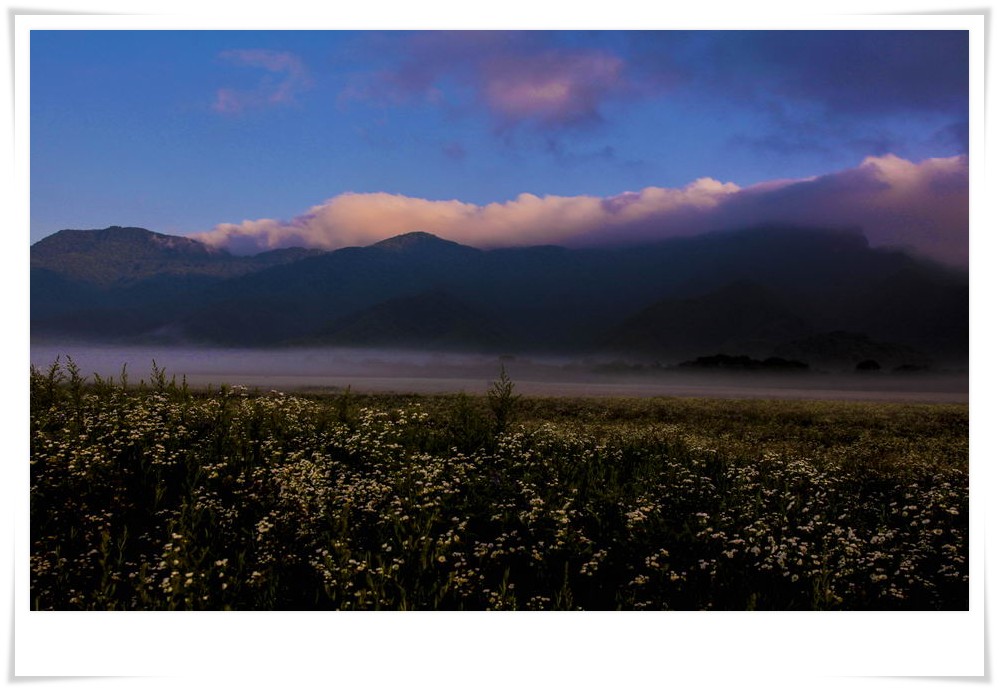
(184, 132)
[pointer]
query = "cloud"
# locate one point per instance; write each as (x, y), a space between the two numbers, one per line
(820, 92)
(955, 135)
(847, 72)
(873, 71)
(550, 79)
(922, 206)
(285, 77)
(897, 203)
(519, 78)
(551, 88)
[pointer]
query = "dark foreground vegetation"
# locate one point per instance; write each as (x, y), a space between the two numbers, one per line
(153, 496)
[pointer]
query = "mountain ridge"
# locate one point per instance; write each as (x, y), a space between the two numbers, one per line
(788, 283)
(123, 254)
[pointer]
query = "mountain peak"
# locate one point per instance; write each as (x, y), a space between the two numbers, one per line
(104, 256)
(415, 239)
(73, 240)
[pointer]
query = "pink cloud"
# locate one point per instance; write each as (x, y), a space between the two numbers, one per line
(553, 87)
(898, 203)
(228, 101)
(286, 77)
(511, 75)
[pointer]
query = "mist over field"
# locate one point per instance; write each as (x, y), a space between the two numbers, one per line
(414, 371)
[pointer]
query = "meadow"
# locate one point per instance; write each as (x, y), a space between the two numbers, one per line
(153, 495)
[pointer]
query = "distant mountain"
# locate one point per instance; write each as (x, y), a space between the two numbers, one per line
(117, 255)
(741, 292)
(920, 305)
(419, 242)
(742, 317)
(434, 320)
(300, 300)
(123, 255)
(125, 282)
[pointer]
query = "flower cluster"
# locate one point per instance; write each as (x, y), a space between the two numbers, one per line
(161, 498)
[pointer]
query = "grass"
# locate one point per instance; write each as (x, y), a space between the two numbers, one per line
(154, 496)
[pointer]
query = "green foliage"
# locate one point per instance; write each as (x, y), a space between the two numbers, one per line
(344, 407)
(502, 400)
(164, 498)
(467, 424)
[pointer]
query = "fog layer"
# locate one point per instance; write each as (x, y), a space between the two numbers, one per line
(375, 370)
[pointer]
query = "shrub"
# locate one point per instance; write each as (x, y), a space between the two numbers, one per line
(502, 400)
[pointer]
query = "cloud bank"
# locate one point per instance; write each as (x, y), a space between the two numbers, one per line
(921, 206)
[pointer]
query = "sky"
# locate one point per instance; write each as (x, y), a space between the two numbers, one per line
(254, 140)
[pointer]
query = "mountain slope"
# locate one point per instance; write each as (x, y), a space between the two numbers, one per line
(743, 317)
(434, 320)
(300, 298)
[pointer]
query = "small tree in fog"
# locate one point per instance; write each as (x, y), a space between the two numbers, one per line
(502, 400)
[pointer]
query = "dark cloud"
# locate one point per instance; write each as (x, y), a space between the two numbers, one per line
(566, 156)
(954, 135)
(818, 92)
(872, 71)
(842, 72)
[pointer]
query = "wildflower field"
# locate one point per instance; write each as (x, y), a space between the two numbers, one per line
(154, 496)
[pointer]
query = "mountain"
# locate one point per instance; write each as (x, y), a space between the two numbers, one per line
(742, 317)
(123, 282)
(113, 255)
(300, 300)
(434, 320)
(419, 242)
(920, 305)
(117, 255)
(748, 291)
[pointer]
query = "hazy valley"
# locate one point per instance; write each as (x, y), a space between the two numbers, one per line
(819, 297)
